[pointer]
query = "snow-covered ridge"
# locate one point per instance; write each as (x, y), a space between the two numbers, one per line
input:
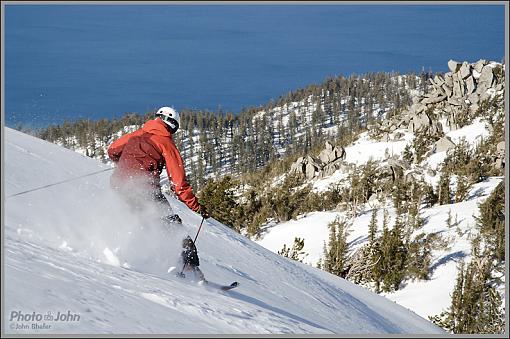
(65, 245)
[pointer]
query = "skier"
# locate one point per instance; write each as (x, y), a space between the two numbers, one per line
(140, 157)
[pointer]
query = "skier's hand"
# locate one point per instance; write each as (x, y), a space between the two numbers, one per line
(203, 212)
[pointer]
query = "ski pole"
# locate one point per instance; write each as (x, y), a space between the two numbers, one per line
(60, 182)
(196, 236)
(199, 228)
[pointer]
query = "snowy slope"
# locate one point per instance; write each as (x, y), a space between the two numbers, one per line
(426, 298)
(65, 247)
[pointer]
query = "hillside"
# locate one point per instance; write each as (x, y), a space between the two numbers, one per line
(443, 137)
(396, 172)
(74, 248)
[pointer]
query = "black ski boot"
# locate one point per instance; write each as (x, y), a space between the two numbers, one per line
(173, 218)
(190, 258)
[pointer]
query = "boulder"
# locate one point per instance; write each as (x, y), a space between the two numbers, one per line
(465, 70)
(324, 156)
(457, 88)
(454, 66)
(486, 76)
(331, 153)
(447, 90)
(479, 65)
(306, 166)
(454, 101)
(448, 79)
(419, 121)
(470, 85)
(473, 98)
(438, 80)
(500, 149)
(434, 99)
(310, 170)
(329, 146)
(444, 144)
(499, 163)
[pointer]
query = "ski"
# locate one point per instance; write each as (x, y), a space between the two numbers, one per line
(229, 287)
(208, 283)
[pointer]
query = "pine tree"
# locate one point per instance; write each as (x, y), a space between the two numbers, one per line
(336, 253)
(476, 306)
(444, 196)
(372, 227)
(462, 188)
(296, 253)
(491, 221)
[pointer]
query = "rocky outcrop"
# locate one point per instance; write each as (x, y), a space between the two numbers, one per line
(331, 158)
(331, 153)
(460, 89)
(307, 166)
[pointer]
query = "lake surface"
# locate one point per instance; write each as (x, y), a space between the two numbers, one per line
(94, 61)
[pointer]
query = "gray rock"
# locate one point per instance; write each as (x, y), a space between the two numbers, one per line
(457, 89)
(465, 70)
(479, 65)
(500, 148)
(499, 163)
(419, 121)
(438, 80)
(448, 79)
(324, 156)
(447, 89)
(310, 171)
(329, 146)
(433, 100)
(470, 85)
(474, 107)
(444, 144)
(473, 98)
(486, 77)
(454, 66)
(454, 101)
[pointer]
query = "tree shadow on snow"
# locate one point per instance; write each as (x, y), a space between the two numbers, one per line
(455, 256)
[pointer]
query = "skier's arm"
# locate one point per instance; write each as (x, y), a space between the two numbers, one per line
(175, 170)
(116, 148)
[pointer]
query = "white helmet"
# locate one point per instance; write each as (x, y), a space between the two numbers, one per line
(170, 117)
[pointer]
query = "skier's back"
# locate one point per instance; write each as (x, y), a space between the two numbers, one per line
(140, 157)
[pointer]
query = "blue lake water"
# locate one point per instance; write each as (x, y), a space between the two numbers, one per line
(95, 61)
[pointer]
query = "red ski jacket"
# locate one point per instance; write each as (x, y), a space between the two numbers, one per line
(145, 152)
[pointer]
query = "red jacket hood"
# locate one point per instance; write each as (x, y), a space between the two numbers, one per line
(157, 127)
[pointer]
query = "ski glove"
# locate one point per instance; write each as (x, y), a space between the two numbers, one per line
(203, 212)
